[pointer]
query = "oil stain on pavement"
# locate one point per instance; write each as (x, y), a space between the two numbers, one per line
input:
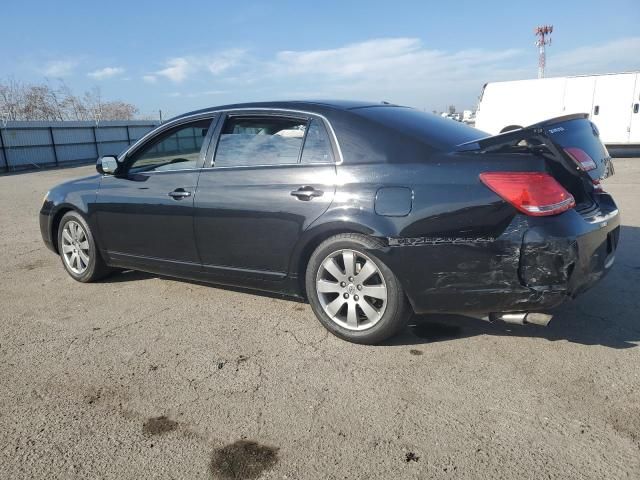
(243, 459)
(159, 425)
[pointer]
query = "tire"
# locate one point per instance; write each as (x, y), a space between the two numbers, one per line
(364, 307)
(78, 250)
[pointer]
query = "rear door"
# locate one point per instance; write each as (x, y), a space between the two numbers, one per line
(612, 102)
(260, 191)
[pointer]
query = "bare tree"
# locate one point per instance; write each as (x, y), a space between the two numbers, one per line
(452, 109)
(11, 99)
(118, 110)
(20, 101)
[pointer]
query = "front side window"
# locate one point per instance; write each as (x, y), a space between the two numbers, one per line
(177, 149)
(268, 140)
(317, 146)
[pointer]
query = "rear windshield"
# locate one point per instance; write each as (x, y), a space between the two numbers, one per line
(440, 133)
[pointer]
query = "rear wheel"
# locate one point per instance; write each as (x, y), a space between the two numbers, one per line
(78, 251)
(353, 293)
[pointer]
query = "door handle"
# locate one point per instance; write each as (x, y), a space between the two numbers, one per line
(307, 193)
(179, 194)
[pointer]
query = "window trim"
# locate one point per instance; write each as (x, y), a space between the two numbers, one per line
(277, 112)
(163, 128)
(304, 143)
(232, 115)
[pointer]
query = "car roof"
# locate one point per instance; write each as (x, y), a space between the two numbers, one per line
(311, 106)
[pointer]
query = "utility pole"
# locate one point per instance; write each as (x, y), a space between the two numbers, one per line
(543, 32)
(160, 114)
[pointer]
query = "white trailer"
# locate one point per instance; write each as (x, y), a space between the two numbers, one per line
(611, 100)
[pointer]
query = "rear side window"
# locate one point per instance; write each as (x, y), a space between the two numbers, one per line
(317, 146)
(247, 141)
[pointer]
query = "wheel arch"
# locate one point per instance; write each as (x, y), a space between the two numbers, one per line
(60, 212)
(313, 237)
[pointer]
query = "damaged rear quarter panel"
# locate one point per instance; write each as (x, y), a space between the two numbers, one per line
(459, 236)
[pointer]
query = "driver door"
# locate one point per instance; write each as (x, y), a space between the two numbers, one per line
(145, 212)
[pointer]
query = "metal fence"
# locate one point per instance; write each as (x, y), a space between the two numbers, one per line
(29, 145)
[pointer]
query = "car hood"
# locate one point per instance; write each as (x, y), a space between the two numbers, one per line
(82, 182)
(77, 192)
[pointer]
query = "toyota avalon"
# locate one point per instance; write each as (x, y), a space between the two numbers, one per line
(368, 211)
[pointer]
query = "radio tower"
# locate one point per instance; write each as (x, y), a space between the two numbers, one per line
(543, 32)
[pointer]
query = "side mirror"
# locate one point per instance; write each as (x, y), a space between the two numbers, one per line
(107, 165)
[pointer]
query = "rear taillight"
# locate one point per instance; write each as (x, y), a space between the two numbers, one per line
(533, 193)
(597, 186)
(582, 158)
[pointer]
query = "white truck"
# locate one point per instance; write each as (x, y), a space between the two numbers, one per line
(611, 100)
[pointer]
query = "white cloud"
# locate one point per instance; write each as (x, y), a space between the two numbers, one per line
(401, 70)
(176, 70)
(106, 72)
(397, 59)
(150, 78)
(59, 68)
(405, 71)
(179, 69)
(615, 56)
(224, 61)
(349, 60)
(197, 94)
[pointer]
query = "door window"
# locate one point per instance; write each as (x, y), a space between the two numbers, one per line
(317, 146)
(246, 141)
(177, 149)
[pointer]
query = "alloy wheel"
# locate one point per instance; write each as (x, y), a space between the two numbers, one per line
(351, 289)
(75, 247)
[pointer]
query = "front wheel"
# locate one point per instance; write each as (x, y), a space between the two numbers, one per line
(78, 250)
(353, 293)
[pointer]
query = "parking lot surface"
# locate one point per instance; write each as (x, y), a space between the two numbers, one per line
(145, 377)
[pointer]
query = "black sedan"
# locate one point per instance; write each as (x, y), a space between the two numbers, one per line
(369, 211)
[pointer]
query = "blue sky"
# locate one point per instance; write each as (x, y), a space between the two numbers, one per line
(178, 56)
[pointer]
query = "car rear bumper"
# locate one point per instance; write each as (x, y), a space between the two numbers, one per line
(535, 265)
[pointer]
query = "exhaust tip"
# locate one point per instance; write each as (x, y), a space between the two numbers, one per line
(536, 318)
(521, 318)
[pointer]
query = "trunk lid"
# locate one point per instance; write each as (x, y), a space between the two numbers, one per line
(577, 134)
(570, 146)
